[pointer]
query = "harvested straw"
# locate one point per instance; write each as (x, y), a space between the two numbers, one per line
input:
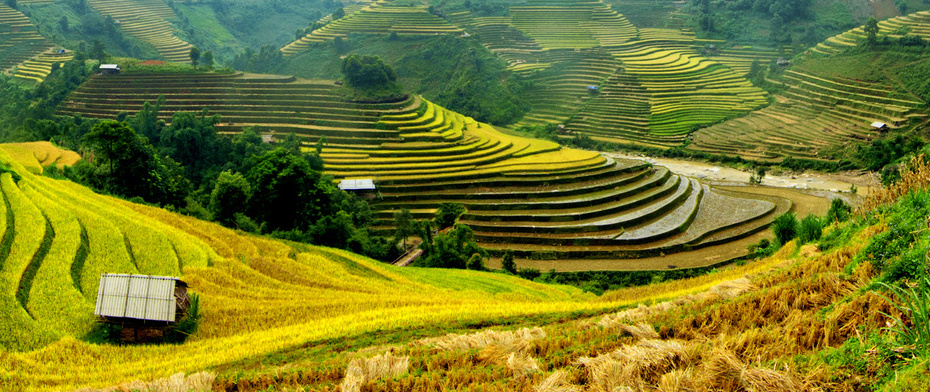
(197, 382)
(678, 380)
(557, 382)
(727, 372)
(635, 366)
(364, 370)
(513, 341)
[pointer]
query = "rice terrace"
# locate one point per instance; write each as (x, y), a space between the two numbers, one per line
(464, 195)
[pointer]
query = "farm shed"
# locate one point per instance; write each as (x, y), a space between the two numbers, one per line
(879, 126)
(269, 138)
(592, 89)
(109, 69)
(357, 185)
(365, 188)
(141, 304)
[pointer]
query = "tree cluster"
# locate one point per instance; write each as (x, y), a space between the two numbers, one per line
(368, 72)
(265, 60)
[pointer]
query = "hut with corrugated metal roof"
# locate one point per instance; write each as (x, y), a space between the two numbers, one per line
(144, 306)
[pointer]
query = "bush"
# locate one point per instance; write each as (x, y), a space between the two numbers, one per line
(187, 325)
(839, 211)
(475, 262)
(810, 229)
(529, 273)
(785, 227)
(508, 264)
(761, 249)
(913, 327)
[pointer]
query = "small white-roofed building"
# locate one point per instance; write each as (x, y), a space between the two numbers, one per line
(143, 306)
(109, 69)
(357, 185)
(124, 298)
(364, 188)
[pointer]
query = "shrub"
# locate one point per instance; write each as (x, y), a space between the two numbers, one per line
(810, 229)
(761, 249)
(187, 325)
(913, 328)
(758, 176)
(785, 227)
(475, 262)
(508, 264)
(839, 211)
(529, 273)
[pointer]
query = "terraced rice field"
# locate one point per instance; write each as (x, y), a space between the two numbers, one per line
(530, 195)
(813, 113)
(740, 58)
(39, 67)
(380, 17)
(571, 25)
(917, 23)
(19, 39)
(687, 90)
(557, 95)
(149, 21)
(654, 87)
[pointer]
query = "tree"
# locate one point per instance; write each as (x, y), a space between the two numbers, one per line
(208, 59)
(195, 56)
(63, 23)
(508, 264)
(871, 30)
(339, 13)
(286, 192)
(97, 50)
(447, 214)
(452, 249)
(12, 4)
(111, 140)
(230, 196)
(403, 223)
(367, 72)
(135, 170)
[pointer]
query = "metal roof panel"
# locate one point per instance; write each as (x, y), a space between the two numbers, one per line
(136, 296)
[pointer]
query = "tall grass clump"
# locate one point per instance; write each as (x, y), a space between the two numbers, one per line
(913, 327)
(810, 229)
(915, 175)
(785, 227)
